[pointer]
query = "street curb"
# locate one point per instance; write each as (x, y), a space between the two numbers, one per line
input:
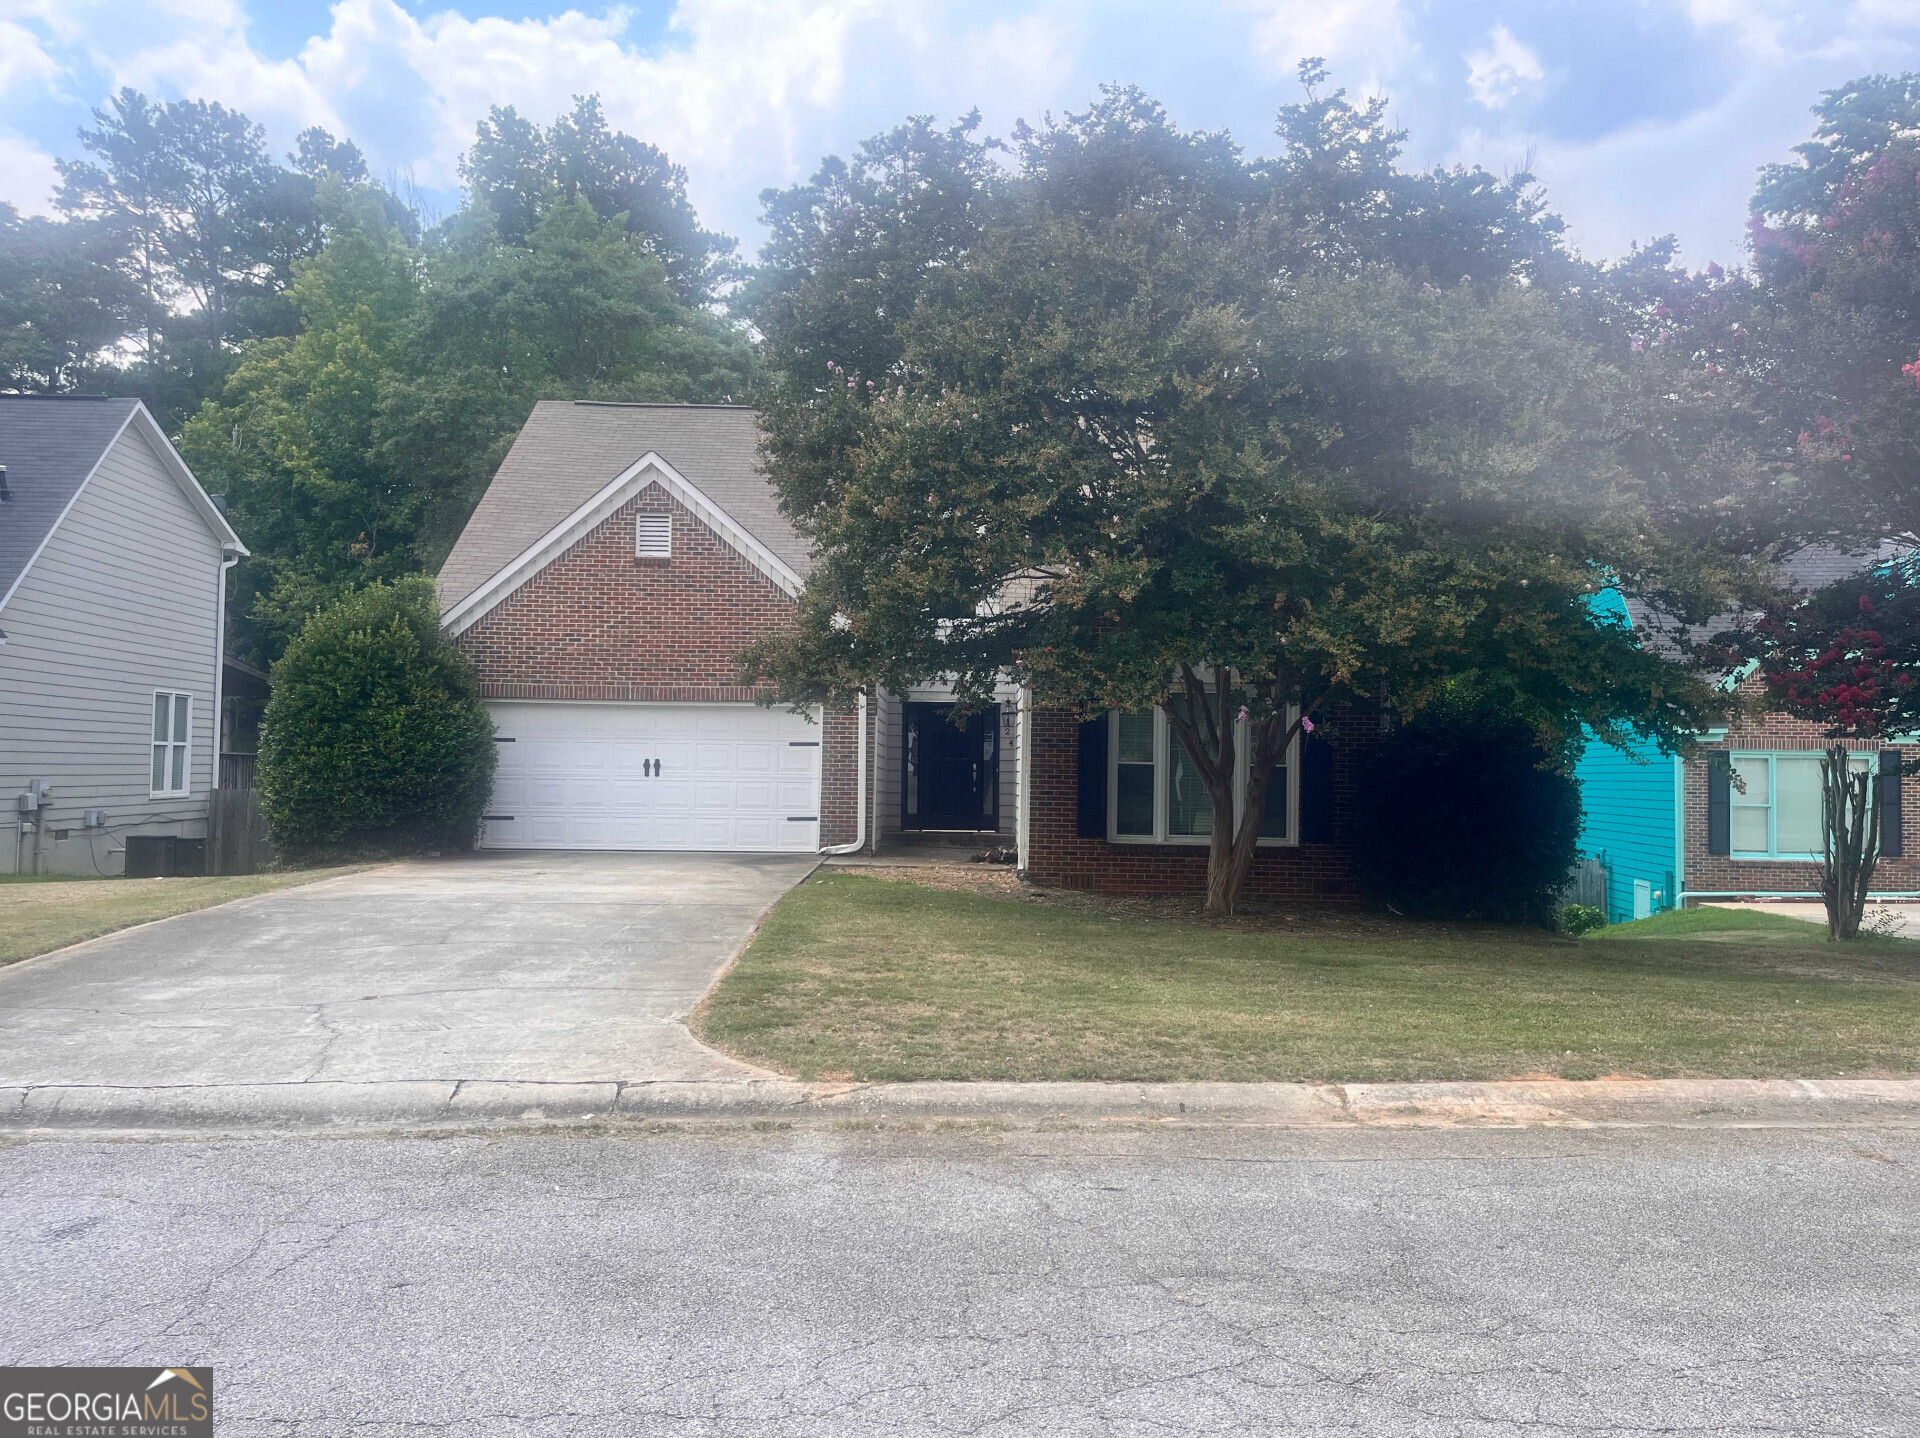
(331, 1107)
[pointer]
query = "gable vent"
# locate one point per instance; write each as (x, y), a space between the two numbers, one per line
(653, 536)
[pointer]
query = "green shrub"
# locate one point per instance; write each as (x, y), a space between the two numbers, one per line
(375, 735)
(1464, 815)
(1578, 919)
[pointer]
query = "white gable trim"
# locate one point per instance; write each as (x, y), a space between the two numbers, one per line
(649, 469)
(170, 461)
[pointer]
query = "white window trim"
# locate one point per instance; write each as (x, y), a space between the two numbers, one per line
(1774, 854)
(1163, 740)
(175, 697)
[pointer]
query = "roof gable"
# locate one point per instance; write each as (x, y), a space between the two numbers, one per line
(647, 471)
(572, 456)
(51, 447)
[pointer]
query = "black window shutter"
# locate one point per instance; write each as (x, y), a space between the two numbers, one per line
(1316, 790)
(1890, 836)
(1719, 804)
(1092, 822)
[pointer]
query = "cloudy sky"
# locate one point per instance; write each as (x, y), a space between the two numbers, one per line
(1642, 116)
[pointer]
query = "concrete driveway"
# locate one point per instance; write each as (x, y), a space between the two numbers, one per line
(549, 969)
(1902, 919)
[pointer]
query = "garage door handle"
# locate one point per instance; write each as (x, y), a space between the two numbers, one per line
(803, 818)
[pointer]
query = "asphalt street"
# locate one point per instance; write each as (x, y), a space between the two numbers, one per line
(826, 1281)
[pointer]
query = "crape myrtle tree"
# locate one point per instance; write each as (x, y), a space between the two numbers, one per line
(1140, 422)
(1822, 336)
(1848, 657)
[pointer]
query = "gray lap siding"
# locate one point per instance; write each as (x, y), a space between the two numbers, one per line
(123, 601)
(600, 623)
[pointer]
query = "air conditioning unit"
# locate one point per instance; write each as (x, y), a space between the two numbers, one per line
(165, 856)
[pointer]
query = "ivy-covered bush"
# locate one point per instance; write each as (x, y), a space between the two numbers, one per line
(1464, 815)
(375, 735)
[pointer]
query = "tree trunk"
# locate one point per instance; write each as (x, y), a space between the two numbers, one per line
(1205, 723)
(1850, 826)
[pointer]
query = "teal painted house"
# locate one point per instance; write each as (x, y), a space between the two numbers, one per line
(1632, 824)
(1634, 814)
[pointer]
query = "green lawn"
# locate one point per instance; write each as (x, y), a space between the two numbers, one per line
(867, 979)
(40, 915)
(1743, 926)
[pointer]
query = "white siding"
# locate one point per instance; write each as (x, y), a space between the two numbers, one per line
(122, 601)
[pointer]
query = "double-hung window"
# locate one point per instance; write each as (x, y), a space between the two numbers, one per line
(1155, 794)
(172, 728)
(1774, 804)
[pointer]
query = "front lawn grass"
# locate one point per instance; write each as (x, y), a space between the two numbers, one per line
(860, 978)
(46, 914)
(1741, 926)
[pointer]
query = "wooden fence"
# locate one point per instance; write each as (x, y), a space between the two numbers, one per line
(1587, 884)
(236, 832)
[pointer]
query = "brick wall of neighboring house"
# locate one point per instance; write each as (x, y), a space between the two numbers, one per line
(1776, 732)
(1058, 857)
(599, 623)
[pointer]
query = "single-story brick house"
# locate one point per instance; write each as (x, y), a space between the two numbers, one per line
(1741, 817)
(621, 558)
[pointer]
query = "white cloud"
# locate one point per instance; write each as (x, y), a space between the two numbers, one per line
(27, 176)
(1503, 71)
(23, 63)
(750, 93)
(1364, 38)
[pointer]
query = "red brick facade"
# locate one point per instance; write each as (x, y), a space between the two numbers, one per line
(1780, 733)
(1058, 856)
(600, 623)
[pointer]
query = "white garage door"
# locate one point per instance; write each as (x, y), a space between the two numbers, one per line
(654, 776)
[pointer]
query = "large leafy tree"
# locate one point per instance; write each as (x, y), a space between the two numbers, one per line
(581, 310)
(1144, 424)
(293, 438)
(516, 173)
(63, 303)
(1829, 336)
(207, 219)
(354, 449)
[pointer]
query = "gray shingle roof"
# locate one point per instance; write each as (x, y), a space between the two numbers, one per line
(49, 447)
(569, 451)
(1814, 567)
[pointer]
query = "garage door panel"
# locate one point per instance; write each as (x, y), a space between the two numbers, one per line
(728, 777)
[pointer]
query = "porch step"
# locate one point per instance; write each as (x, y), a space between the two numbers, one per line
(945, 839)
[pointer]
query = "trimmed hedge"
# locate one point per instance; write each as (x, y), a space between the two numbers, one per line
(375, 734)
(1464, 815)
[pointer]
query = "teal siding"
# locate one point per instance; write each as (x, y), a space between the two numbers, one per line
(1629, 800)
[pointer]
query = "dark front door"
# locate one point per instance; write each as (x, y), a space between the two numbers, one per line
(951, 772)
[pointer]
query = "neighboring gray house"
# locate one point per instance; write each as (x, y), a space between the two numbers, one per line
(113, 565)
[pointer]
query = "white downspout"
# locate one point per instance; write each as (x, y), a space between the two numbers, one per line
(859, 789)
(227, 561)
(1022, 777)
